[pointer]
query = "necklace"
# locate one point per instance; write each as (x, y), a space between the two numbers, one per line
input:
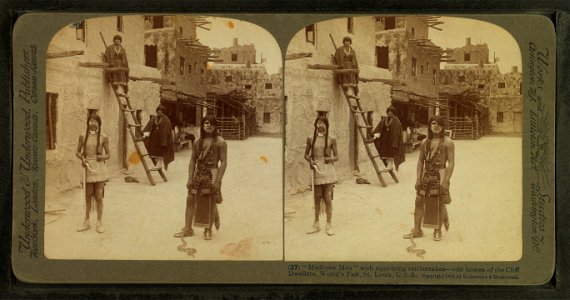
(157, 120)
(388, 121)
(347, 52)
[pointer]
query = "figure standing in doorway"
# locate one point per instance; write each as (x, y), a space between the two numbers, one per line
(205, 172)
(321, 153)
(159, 143)
(345, 58)
(116, 57)
(435, 167)
(93, 151)
(389, 141)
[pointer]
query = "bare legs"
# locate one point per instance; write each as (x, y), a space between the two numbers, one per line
(323, 192)
(93, 190)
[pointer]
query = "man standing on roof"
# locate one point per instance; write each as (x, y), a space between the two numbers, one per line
(345, 58)
(116, 57)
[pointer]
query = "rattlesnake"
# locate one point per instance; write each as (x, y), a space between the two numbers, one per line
(182, 248)
(412, 249)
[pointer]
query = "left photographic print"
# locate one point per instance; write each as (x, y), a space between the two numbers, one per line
(160, 131)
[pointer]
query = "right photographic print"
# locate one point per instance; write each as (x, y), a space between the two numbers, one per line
(403, 141)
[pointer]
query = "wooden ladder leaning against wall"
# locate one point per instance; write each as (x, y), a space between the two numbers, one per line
(131, 123)
(361, 123)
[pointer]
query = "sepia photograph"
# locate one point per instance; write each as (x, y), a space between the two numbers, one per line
(403, 141)
(164, 140)
(287, 148)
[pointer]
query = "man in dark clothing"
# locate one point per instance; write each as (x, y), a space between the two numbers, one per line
(345, 58)
(205, 172)
(116, 56)
(388, 140)
(159, 142)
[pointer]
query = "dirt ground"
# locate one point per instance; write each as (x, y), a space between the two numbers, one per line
(485, 213)
(140, 219)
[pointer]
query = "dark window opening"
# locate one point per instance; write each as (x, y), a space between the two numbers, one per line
(268, 85)
(350, 25)
(228, 79)
(248, 86)
(51, 120)
(467, 57)
(80, 31)
(120, 24)
(157, 22)
(501, 85)
(500, 117)
(310, 34)
(421, 69)
(266, 117)
(520, 88)
(182, 61)
(323, 113)
(414, 67)
(461, 78)
(234, 57)
(189, 68)
(434, 72)
(180, 31)
(150, 56)
(481, 86)
(413, 32)
(382, 57)
(390, 23)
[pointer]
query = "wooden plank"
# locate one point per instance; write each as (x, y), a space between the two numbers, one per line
(386, 81)
(346, 71)
(64, 54)
(151, 79)
(322, 67)
(298, 55)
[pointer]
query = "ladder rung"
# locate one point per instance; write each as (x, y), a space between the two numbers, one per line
(369, 141)
(353, 97)
(128, 109)
(357, 111)
(134, 125)
(364, 126)
(123, 95)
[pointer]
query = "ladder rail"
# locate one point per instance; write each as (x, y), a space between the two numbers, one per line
(126, 110)
(363, 135)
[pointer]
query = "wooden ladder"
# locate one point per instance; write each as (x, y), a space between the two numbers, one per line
(131, 124)
(361, 123)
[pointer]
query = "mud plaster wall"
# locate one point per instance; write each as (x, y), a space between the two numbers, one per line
(245, 53)
(193, 79)
(476, 78)
(165, 41)
(479, 52)
(253, 81)
(309, 91)
(507, 100)
(400, 54)
(509, 106)
(80, 89)
(269, 101)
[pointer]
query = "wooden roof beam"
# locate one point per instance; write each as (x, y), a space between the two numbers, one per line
(64, 54)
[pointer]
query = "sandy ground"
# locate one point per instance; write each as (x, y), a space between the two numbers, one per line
(140, 219)
(485, 213)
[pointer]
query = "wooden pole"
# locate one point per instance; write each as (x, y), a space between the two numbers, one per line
(64, 54)
(103, 39)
